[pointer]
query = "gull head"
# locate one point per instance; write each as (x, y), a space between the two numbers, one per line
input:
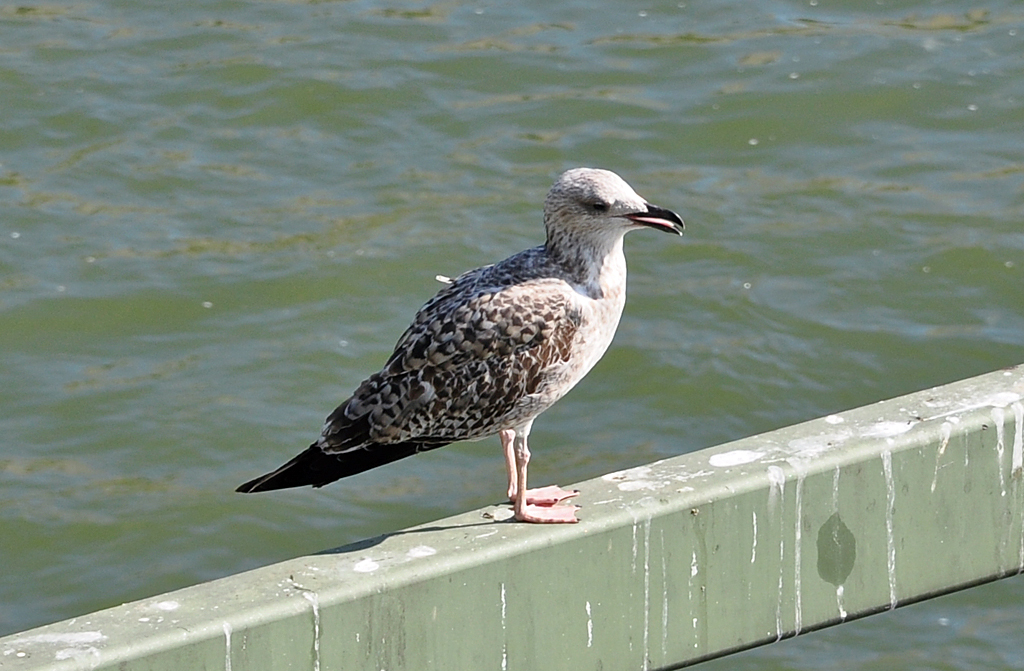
(594, 203)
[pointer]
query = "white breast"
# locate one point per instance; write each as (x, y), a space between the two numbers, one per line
(601, 303)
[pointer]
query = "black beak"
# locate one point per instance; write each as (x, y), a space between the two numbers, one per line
(659, 218)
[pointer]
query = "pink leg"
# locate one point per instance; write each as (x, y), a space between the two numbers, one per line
(508, 436)
(549, 496)
(529, 512)
(543, 496)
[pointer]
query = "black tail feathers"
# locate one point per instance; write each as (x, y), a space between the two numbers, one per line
(314, 467)
(311, 467)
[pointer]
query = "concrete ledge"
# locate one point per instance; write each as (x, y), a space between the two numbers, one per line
(674, 562)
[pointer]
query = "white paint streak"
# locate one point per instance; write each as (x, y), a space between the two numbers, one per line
(753, 546)
(590, 627)
(734, 458)
(689, 586)
(890, 536)
(502, 514)
(636, 521)
(1020, 552)
(888, 429)
(797, 552)
(998, 400)
(78, 644)
(777, 483)
(812, 446)
(647, 592)
(69, 638)
(636, 485)
(227, 646)
(839, 602)
(638, 473)
(366, 566)
(835, 490)
(78, 654)
(834, 419)
(1003, 398)
(504, 632)
(685, 477)
(421, 551)
(664, 599)
(314, 602)
(1018, 439)
(945, 431)
(999, 419)
(778, 605)
(648, 478)
(776, 499)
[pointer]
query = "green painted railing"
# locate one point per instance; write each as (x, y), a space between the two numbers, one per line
(674, 562)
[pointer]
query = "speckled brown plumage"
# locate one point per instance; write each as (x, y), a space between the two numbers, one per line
(495, 347)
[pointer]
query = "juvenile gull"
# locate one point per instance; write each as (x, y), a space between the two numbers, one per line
(495, 348)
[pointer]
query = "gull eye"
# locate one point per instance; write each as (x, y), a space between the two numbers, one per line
(599, 206)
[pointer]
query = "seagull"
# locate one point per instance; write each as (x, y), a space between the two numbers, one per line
(495, 348)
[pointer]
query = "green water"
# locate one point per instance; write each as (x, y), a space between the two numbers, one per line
(216, 218)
